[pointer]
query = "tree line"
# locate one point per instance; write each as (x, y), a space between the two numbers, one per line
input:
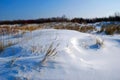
(62, 19)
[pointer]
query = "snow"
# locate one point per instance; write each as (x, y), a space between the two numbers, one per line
(78, 56)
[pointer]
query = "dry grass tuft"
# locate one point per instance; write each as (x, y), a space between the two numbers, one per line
(51, 51)
(47, 50)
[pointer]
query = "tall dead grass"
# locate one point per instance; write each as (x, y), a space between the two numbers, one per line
(15, 29)
(110, 29)
(76, 27)
(51, 51)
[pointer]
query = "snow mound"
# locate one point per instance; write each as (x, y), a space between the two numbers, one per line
(51, 54)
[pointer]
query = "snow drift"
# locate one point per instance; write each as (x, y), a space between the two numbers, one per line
(51, 54)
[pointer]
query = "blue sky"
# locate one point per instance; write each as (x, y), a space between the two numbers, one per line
(33, 9)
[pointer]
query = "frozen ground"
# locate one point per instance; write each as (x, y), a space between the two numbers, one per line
(74, 56)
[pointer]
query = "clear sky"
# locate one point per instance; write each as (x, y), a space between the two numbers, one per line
(34, 9)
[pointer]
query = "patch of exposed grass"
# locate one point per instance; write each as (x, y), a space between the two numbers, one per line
(8, 30)
(76, 27)
(86, 28)
(28, 28)
(110, 29)
(15, 29)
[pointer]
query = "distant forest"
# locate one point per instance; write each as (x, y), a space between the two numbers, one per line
(116, 17)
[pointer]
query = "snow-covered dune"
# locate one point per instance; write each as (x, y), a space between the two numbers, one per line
(51, 54)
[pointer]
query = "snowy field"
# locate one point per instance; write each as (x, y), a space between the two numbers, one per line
(51, 54)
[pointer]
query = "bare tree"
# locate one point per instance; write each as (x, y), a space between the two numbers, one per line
(117, 14)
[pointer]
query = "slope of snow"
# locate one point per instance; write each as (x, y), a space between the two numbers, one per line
(77, 57)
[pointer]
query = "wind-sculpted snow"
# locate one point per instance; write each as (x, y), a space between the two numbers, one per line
(51, 54)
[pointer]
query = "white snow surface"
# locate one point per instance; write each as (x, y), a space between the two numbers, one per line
(77, 57)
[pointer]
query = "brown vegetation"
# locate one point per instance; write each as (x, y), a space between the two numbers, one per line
(15, 29)
(110, 29)
(7, 30)
(50, 51)
(76, 27)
